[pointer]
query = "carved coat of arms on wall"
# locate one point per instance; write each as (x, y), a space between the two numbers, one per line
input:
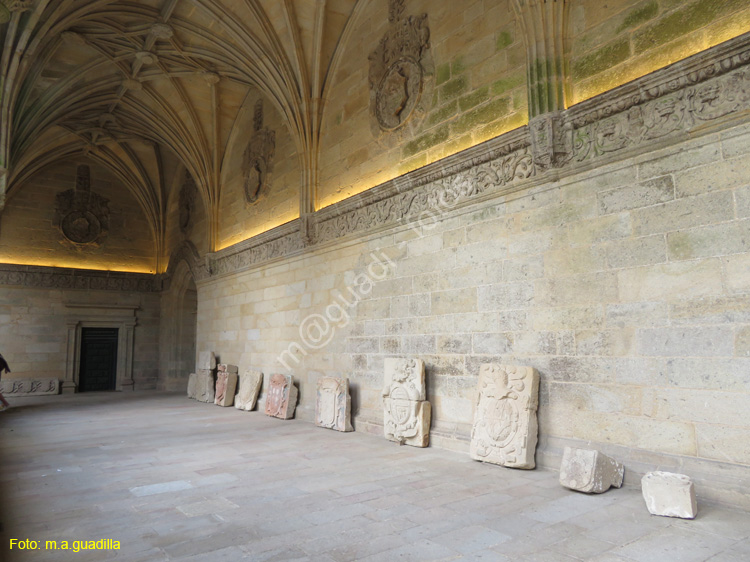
(401, 70)
(257, 161)
(81, 215)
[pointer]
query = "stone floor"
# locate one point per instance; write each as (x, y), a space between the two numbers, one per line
(174, 479)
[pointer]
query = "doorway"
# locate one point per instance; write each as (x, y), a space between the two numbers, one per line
(98, 359)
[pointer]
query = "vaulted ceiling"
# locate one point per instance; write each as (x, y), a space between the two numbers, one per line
(145, 86)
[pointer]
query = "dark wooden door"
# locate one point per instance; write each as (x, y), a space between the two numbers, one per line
(98, 359)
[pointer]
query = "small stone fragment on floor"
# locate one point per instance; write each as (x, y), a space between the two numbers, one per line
(669, 494)
(589, 471)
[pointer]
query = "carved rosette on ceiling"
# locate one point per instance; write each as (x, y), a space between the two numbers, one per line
(188, 193)
(81, 215)
(401, 71)
(257, 162)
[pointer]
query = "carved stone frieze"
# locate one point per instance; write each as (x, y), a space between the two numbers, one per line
(63, 278)
(438, 196)
(81, 215)
(666, 117)
(279, 242)
(551, 141)
(257, 161)
(30, 387)
(399, 69)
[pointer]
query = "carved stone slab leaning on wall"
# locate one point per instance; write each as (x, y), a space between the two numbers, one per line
(282, 397)
(247, 396)
(333, 405)
(406, 412)
(505, 425)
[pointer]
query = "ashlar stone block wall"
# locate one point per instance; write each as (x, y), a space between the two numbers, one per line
(617, 41)
(627, 287)
(34, 328)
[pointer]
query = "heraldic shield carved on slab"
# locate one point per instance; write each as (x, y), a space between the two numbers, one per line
(505, 425)
(333, 406)
(406, 413)
(282, 397)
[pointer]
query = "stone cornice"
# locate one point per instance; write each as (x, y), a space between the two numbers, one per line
(282, 241)
(84, 279)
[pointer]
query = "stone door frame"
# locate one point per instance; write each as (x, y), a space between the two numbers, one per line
(85, 315)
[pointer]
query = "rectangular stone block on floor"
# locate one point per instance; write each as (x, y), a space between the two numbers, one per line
(205, 389)
(30, 387)
(505, 424)
(247, 396)
(192, 386)
(333, 405)
(207, 360)
(669, 494)
(588, 470)
(406, 413)
(282, 397)
(226, 384)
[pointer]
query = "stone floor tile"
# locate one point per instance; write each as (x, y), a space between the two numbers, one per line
(674, 544)
(187, 481)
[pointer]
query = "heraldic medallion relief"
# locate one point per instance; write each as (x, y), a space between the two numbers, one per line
(505, 425)
(257, 161)
(81, 215)
(333, 406)
(401, 68)
(406, 413)
(282, 397)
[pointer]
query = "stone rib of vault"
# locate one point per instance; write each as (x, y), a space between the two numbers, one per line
(406, 412)
(247, 396)
(333, 405)
(588, 470)
(505, 424)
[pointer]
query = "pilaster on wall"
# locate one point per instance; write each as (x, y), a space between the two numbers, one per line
(545, 27)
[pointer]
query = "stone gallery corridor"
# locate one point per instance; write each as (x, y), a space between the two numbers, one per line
(441, 279)
(174, 479)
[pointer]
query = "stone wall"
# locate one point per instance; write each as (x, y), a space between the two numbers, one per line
(615, 42)
(614, 261)
(279, 203)
(38, 304)
(627, 287)
(29, 233)
(473, 90)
